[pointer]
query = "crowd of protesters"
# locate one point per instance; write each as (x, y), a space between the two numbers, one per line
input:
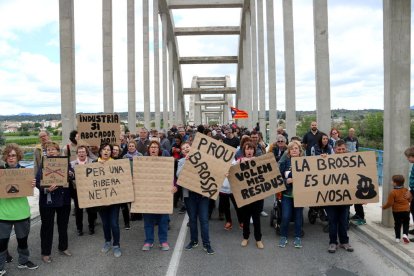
(176, 142)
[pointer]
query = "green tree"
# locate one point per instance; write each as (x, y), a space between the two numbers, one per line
(372, 127)
(304, 125)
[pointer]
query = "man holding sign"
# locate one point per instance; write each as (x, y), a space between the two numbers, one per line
(338, 216)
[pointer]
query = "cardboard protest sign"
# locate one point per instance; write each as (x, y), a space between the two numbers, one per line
(100, 184)
(16, 183)
(55, 171)
(204, 171)
(153, 180)
(255, 179)
(95, 129)
(338, 179)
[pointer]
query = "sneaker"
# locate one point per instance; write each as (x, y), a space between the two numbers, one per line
(106, 247)
(28, 265)
(282, 242)
(332, 248)
(164, 246)
(9, 259)
(244, 242)
(208, 249)
(397, 240)
(127, 227)
(2, 272)
(361, 222)
(260, 244)
(117, 251)
(347, 247)
(297, 242)
(411, 231)
(191, 245)
(228, 226)
(405, 239)
(147, 247)
(263, 214)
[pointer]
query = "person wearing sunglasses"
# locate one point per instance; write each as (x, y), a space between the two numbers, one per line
(335, 136)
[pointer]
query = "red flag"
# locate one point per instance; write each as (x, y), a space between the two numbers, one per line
(238, 114)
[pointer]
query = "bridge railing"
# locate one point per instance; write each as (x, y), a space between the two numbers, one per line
(380, 160)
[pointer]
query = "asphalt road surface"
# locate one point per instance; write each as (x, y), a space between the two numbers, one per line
(230, 257)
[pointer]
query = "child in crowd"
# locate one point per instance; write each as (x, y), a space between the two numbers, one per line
(399, 199)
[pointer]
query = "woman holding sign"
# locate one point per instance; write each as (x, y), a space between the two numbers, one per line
(197, 208)
(253, 209)
(288, 209)
(53, 199)
(14, 212)
(109, 214)
(154, 149)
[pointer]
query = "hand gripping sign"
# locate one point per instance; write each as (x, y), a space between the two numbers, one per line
(204, 171)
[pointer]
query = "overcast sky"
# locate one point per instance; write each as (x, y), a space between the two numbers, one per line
(29, 54)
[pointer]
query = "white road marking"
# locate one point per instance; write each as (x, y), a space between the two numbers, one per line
(178, 249)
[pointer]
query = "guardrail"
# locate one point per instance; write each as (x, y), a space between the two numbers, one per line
(380, 161)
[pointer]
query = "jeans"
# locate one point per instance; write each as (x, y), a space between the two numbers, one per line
(149, 223)
(197, 206)
(401, 218)
(252, 210)
(21, 229)
(338, 223)
(288, 210)
(110, 223)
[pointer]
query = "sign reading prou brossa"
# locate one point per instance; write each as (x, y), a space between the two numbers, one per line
(255, 179)
(100, 184)
(338, 179)
(204, 171)
(95, 129)
(16, 183)
(153, 181)
(55, 171)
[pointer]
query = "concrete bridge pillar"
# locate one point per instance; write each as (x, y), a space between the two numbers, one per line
(67, 67)
(164, 70)
(261, 60)
(397, 72)
(132, 118)
(323, 90)
(255, 101)
(108, 86)
(289, 55)
(271, 65)
(146, 65)
(156, 64)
